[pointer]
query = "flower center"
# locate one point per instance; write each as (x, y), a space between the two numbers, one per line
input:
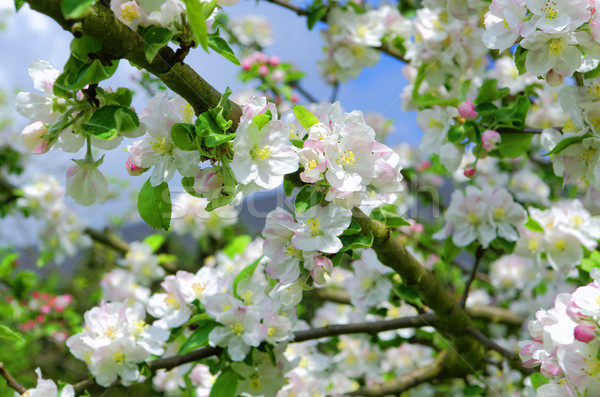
(433, 123)
(129, 11)
(261, 154)
(550, 10)
(560, 245)
(271, 331)
(594, 90)
(161, 145)
(237, 329)
(472, 218)
(556, 47)
(348, 158)
(533, 245)
(587, 156)
(139, 327)
(499, 213)
(110, 332)
(290, 250)
(171, 301)
(311, 164)
(119, 358)
(188, 113)
(314, 224)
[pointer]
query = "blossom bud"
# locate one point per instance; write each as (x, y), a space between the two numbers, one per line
(274, 60)
(278, 75)
(133, 169)
(469, 171)
(554, 79)
(423, 166)
(32, 138)
(246, 64)
(490, 140)
(467, 110)
(86, 184)
(585, 332)
(295, 98)
(263, 70)
(208, 183)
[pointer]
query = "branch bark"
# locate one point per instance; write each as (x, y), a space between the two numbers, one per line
(10, 381)
(405, 382)
(120, 42)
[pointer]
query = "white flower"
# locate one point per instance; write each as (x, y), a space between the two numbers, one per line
(252, 30)
(435, 123)
(32, 138)
(284, 263)
(554, 51)
(239, 333)
(34, 106)
(47, 388)
(369, 286)
(505, 23)
(263, 156)
(142, 262)
(319, 227)
(86, 184)
(555, 16)
(171, 308)
(118, 358)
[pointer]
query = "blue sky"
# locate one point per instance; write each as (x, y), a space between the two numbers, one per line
(30, 35)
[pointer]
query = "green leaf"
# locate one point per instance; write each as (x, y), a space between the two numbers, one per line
(299, 143)
(244, 274)
(537, 380)
(429, 100)
(155, 241)
(108, 121)
(78, 74)
(260, 120)
(354, 228)
(592, 74)
(288, 187)
(356, 241)
(19, 4)
(450, 251)
(145, 370)
(215, 139)
(155, 38)
(565, 143)
(520, 58)
(75, 8)
(489, 92)
(197, 12)
(533, 225)
(305, 117)
(237, 246)
(221, 47)
(473, 390)
(187, 182)
(225, 385)
(421, 73)
(121, 97)
(82, 47)
(391, 219)
(7, 265)
(184, 136)
(199, 337)
(513, 116)
(307, 197)
(154, 205)
(463, 91)
(514, 145)
(7, 333)
(314, 16)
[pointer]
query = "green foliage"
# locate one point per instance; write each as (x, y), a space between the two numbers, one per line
(154, 205)
(520, 58)
(197, 13)
(184, 136)
(356, 241)
(155, 241)
(429, 100)
(305, 116)
(75, 8)
(592, 262)
(225, 385)
(489, 92)
(308, 197)
(388, 215)
(221, 47)
(566, 142)
(244, 274)
(199, 337)
(9, 334)
(155, 38)
(237, 246)
(533, 225)
(537, 380)
(108, 121)
(514, 145)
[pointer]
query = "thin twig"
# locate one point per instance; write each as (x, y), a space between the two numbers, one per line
(478, 256)
(10, 381)
(334, 92)
(305, 93)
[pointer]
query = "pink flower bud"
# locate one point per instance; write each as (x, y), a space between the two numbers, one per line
(469, 171)
(490, 140)
(31, 137)
(40, 318)
(46, 309)
(585, 332)
(263, 70)
(36, 294)
(261, 57)
(134, 170)
(208, 183)
(274, 60)
(554, 79)
(246, 64)
(467, 110)
(423, 166)
(278, 75)
(295, 98)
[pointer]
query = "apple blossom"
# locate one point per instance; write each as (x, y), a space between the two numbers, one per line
(86, 184)
(319, 227)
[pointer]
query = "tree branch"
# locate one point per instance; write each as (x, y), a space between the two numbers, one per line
(478, 256)
(120, 42)
(451, 319)
(405, 382)
(10, 381)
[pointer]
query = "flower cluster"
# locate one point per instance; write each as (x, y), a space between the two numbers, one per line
(482, 215)
(115, 339)
(567, 226)
(191, 217)
(252, 30)
(565, 343)
(63, 231)
(554, 34)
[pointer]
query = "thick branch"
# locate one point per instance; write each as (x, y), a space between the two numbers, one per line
(405, 382)
(120, 42)
(451, 319)
(10, 381)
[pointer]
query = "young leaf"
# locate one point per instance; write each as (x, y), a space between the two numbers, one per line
(155, 241)
(244, 274)
(356, 241)
(108, 121)
(155, 38)
(533, 225)
(489, 92)
(237, 246)
(7, 333)
(196, 12)
(199, 337)
(75, 8)
(514, 145)
(184, 136)
(154, 205)
(221, 47)
(307, 197)
(565, 143)
(537, 380)
(520, 58)
(225, 385)
(391, 219)
(260, 120)
(305, 117)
